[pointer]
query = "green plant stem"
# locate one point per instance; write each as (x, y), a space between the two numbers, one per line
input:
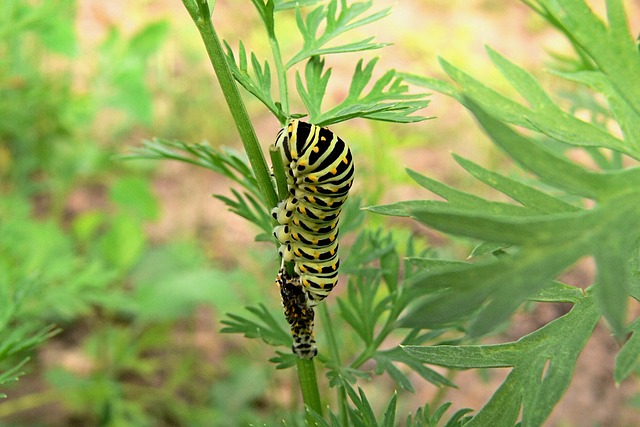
(199, 12)
(309, 386)
(335, 355)
(279, 172)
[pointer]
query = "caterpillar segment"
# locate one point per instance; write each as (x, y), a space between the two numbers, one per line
(319, 171)
(298, 315)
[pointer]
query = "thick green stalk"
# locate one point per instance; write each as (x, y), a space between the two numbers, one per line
(199, 11)
(332, 343)
(309, 386)
(200, 14)
(279, 172)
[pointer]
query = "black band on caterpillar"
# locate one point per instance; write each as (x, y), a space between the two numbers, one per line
(319, 170)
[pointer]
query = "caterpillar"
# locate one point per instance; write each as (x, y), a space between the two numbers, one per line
(319, 171)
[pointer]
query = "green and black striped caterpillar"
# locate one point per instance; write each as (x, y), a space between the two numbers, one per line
(319, 169)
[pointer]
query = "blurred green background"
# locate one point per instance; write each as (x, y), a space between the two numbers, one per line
(134, 261)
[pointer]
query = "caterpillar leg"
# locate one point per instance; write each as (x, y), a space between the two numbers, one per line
(298, 314)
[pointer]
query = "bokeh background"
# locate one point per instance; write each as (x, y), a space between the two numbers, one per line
(137, 264)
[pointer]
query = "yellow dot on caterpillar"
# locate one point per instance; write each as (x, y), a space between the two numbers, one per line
(315, 149)
(323, 138)
(334, 267)
(316, 255)
(311, 199)
(334, 171)
(332, 251)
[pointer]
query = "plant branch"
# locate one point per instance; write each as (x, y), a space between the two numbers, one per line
(309, 386)
(200, 14)
(335, 355)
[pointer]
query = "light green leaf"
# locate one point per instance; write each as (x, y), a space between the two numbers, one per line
(540, 373)
(625, 116)
(124, 242)
(551, 168)
(325, 23)
(293, 4)
(548, 245)
(316, 79)
(149, 39)
(266, 326)
(462, 200)
(258, 83)
(611, 48)
(387, 100)
(134, 196)
(390, 412)
(529, 196)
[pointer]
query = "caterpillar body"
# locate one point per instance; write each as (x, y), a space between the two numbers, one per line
(319, 170)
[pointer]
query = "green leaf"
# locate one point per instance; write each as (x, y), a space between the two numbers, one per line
(629, 354)
(424, 417)
(56, 25)
(542, 115)
(363, 414)
(124, 242)
(387, 100)
(385, 359)
(464, 200)
(293, 4)
(135, 196)
(548, 245)
(149, 39)
(540, 373)
(558, 292)
(227, 162)
(627, 118)
(390, 412)
(172, 280)
(327, 22)
(316, 86)
(551, 168)
(257, 82)
(265, 327)
(528, 196)
(612, 48)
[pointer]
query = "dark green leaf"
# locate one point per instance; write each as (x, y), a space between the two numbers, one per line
(629, 354)
(527, 195)
(540, 373)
